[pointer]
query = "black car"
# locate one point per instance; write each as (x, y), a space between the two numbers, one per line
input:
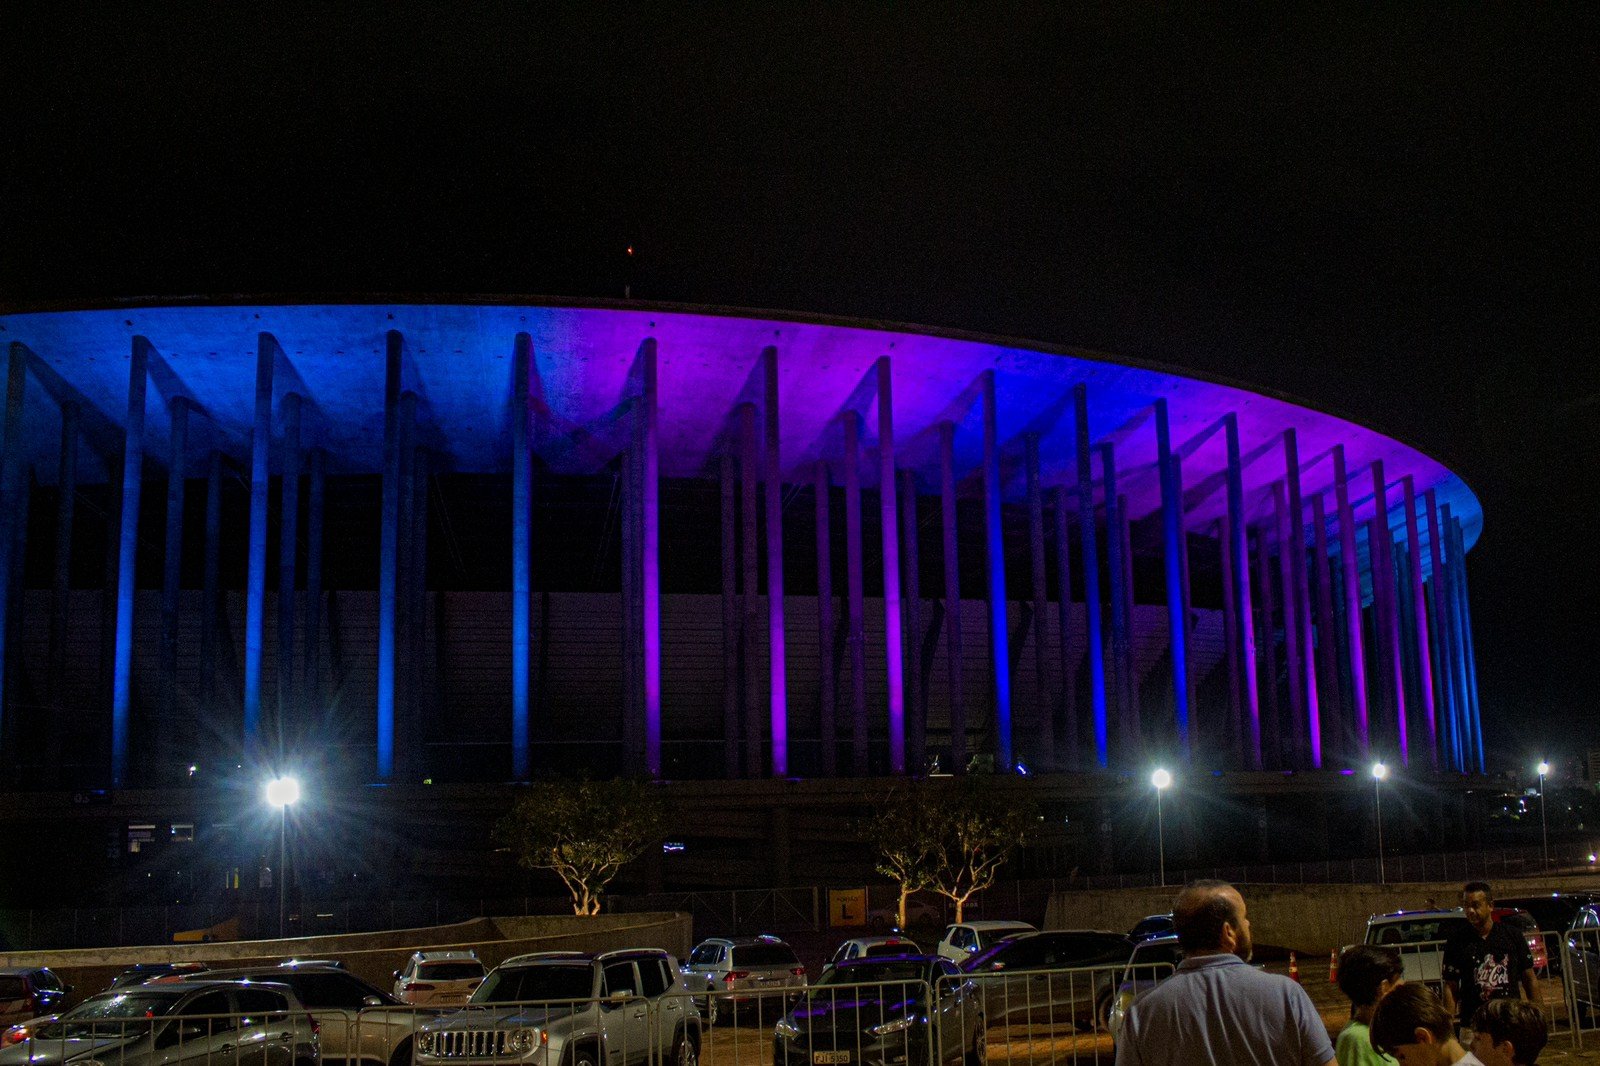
(139, 973)
(29, 991)
(1062, 977)
(881, 1011)
(1150, 927)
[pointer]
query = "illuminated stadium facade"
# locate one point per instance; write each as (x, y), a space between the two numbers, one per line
(499, 540)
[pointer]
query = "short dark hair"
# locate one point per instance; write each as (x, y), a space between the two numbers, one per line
(1515, 1020)
(1200, 912)
(1405, 1010)
(1363, 969)
(1478, 886)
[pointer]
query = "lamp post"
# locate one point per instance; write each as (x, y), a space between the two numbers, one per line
(1379, 772)
(1161, 781)
(1544, 826)
(282, 793)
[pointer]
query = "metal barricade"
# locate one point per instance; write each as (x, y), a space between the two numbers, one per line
(270, 1036)
(624, 1030)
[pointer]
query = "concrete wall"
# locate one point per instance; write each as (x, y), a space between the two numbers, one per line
(1308, 919)
(375, 956)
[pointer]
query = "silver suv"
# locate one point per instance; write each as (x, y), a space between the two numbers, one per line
(573, 1009)
(731, 971)
(193, 1023)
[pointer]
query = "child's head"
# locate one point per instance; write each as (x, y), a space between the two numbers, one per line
(1508, 1032)
(1367, 973)
(1412, 1025)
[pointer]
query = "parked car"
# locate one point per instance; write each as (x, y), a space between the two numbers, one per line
(29, 991)
(1419, 937)
(141, 972)
(733, 971)
(866, 947)
(438, 978)
(1053, 977)
(965, 939)
(578, 1009)
(1583, 946)
(204, 1023)
(883, 1012)
(1153, 961)
(1554, 913)
(920, 913)
(1153, 926)
(356, 1029)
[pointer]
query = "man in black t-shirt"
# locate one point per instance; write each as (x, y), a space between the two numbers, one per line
(1487, 960)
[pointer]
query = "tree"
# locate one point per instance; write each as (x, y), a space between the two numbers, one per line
(949, 837)
(585, 831)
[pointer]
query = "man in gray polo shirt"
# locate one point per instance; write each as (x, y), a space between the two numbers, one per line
(1217, 1008)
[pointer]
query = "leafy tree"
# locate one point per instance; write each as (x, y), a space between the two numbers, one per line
(585, 831)
(906, 837)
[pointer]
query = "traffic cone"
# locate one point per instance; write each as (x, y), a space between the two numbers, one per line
(1333, 967)
(1294, 968)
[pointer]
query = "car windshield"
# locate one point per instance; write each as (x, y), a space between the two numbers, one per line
(120, 1014)
(528, 984)
(897, 947)
(1415, 930)
(873, 973)
(764, 955)
(449, 971)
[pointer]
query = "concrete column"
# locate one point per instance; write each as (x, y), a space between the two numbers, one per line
(1419, 610)
(827, 683)
(730, 615)
(650, 549)
(916, 695)
(1350, 566)
(1045, 751)
(1327, 665)
(288, 541)
(1172, 560)
(999, 639)
(1476, 719)
(749, 479)
(61, 585)
(521, 556)
(856, 640)
(17, 731)
(211, 588)
(1440, 631)
(1383, 565)
(1243, 620)
(1307, 654)
(1117, 571)
(1231, 649)
(311, 681)
(171, 583)
(628, 558)
(406, 616)
(1456, 659)
(1266, 648)
(894, 650)
(1131, 671)
(389, 558)
(1069, 665)
(1091, 576)
(127, 555)
(1288, 543)
(952, 597)
(10, 480)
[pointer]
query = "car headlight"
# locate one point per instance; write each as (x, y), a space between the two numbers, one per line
(785, 1029)
(425, 1042)
(894, 1025)
(521, 1041)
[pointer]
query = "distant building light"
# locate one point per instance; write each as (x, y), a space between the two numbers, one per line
(673, 846)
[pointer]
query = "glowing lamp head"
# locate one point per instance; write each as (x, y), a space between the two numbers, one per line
(1544, 768)
(283, 791)
(1379, 771)
(1161, 780)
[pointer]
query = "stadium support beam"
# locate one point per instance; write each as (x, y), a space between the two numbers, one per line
(916, 695)
(1244, 623)
(749, 480)
(127, 555)
(210, 582)
(521, 556)
(1091, 576)
(893, 640)
(1307, 644)
(952, 597)
(1044, 752)
(1121, 682)
(827, 683)
(311, 681)
(407, 615)
(1172, 559)
(289, 708)
(777, 669)
(1230, 642)
(1443, 679)
(1351, 567)
(389, 554)
(1382, 563)
(1069, 667)
(856, 640)
(171, 575)
(1267, 650)
(1290, 541)
(1419, 610)
(10, 476)
(994, 551)
(1326, 647)
(1471, 656)
(730, 611)
(650, 549)
(61, 584)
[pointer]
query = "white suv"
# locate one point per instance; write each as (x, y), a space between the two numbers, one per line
(438, 978)
(968, 938)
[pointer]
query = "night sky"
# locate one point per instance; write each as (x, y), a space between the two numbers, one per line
(1390, 214)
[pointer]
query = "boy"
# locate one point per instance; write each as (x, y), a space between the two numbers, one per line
(1366, 975)
(1508, 1032)
(1411, 1024)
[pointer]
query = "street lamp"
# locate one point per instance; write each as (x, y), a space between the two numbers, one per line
(1544, 826)
(1379, 772)
(282, 793)
(1161, 781)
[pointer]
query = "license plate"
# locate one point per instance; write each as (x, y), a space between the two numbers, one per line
(830, 1058)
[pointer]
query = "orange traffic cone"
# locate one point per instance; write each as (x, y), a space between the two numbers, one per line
(1333, 967)
(1294, 968)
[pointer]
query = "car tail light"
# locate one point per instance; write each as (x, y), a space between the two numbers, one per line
(419, 988)
(799, 971)
(14, 1035)
(316, 1026)
(733, 975)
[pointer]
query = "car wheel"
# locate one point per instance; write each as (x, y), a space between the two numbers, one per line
(686, 1053)
(584, 1054)
(979, 1051)
(402, 1054)
(1102, 1012)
